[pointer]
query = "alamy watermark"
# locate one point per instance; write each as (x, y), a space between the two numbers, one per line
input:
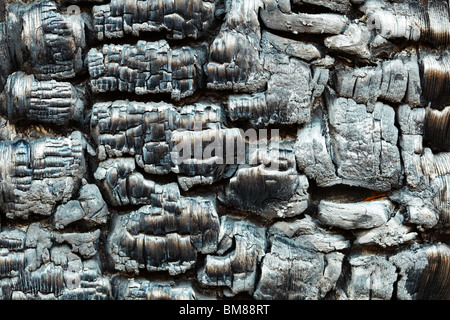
(227, 146)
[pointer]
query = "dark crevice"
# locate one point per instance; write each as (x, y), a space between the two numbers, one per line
(3, 220)
(399, 146)
(310, 8)
(2, 11)
(201, 95)
(80, 80)
(352, 61)
(352, 12)
(395, 284)
(345, 194)
(252, 217)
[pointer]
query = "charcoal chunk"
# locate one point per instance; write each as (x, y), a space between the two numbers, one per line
(52, 102)
(184, 18)
(41, 173)
(146, 68)
(163, 238)
(39, 39)
(236, 270)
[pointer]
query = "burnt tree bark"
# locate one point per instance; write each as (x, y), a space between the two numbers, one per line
(212, 149)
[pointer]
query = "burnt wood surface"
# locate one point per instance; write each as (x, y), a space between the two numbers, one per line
(317, 134)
